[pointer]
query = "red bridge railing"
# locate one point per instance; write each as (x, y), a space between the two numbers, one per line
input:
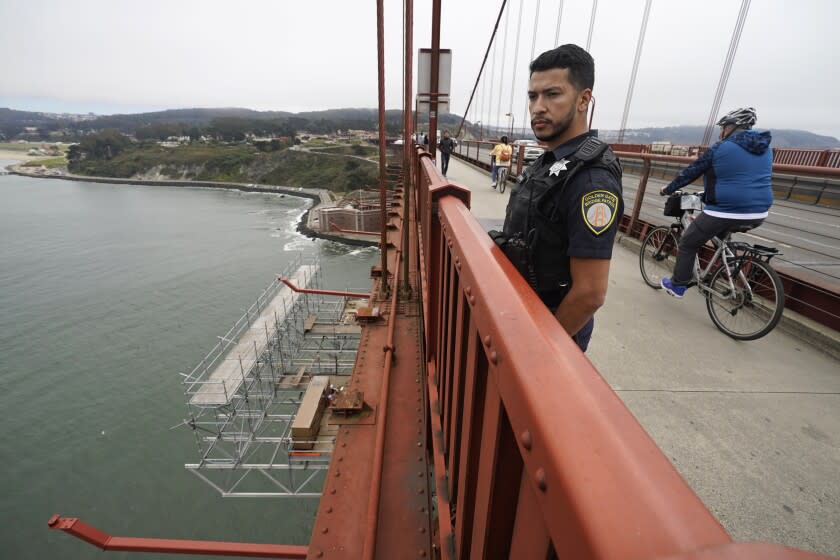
(535, 455)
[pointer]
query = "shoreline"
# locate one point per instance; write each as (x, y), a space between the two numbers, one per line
(317, 196)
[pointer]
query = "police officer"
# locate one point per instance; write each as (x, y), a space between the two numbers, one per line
(567, 205)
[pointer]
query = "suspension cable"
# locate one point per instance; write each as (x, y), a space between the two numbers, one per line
(525, 113)
(502, 71)
(513, 74)
(591, 24)
(492, 82)
(727, 68)
(639, 44)
(483, 62)
(556, 33)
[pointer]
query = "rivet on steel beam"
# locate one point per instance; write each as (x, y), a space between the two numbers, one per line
(468, 290)
(325, 530)
(420, 474)
(329, 509)
(347, 432)
(319, 554)
(340, 459)
(421, 491)
(332, 491)
(344, 444)
(526, 440)
(494, 357)
(472, 300)
(419, 459)
(419, 444)
(421, 530)
(337, 474)
(539, 476)
(419, 409)
(449, 243)
(487, 341)
(422, 553)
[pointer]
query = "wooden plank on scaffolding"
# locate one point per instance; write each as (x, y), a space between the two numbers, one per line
(308, 418)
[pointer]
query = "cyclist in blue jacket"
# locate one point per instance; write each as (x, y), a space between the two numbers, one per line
(737, 179)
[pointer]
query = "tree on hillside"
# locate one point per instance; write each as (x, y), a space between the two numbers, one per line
(102, 146)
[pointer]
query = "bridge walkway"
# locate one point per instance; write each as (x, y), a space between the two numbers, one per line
(753, 427)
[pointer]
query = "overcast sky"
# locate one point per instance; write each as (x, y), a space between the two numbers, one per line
(120, 56)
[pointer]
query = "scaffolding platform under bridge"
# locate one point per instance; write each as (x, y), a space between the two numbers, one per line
(246, 394)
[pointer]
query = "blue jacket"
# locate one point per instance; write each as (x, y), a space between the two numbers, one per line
(737, 176)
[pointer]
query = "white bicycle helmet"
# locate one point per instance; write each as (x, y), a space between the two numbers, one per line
(744, 117)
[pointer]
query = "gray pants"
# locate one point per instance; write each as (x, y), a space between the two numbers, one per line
(698, 233)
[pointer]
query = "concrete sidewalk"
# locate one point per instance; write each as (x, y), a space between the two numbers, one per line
(754, 427)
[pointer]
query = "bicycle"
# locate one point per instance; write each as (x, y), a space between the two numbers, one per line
(502, 178)
(740, 286)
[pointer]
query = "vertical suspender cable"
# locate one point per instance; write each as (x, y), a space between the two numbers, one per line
(433, 81)
(502, 72)
(483, 62)
(591, 24)
(639, 44)
(557, 33)
(380, 48)
(727, 67)
(492, 82)
(408, 73)
(513, 80)
(525, 120)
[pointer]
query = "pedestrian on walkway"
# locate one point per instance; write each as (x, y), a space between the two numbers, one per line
(447, 146)
(500, 156)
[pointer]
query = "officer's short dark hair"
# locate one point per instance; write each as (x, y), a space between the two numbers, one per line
(580, 63)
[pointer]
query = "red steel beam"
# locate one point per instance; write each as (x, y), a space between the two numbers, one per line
(376, 478)
(92, 535)
(294, 288)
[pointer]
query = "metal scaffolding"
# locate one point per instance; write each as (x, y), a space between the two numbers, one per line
(243, 396)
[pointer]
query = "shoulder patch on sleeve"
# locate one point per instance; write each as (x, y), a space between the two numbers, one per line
(599, 209)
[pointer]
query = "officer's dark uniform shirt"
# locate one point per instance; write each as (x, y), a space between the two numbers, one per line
(579, 219)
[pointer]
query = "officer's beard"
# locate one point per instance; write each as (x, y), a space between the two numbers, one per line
(558, 128)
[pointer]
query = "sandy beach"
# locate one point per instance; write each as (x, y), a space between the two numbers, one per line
(15, 155)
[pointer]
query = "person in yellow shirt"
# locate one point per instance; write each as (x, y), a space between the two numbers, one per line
(500, 156)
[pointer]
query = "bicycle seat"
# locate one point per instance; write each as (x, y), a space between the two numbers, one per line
(742, 228)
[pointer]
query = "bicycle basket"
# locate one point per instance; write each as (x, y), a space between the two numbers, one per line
(691, 202)
(672, 205)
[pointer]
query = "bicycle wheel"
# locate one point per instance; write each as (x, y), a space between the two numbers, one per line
(754, 307)
(503, 173)
(658, 255)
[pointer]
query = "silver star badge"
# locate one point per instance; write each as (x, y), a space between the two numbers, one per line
(558, 167)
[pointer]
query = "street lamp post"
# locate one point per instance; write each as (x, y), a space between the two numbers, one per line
(480, 129)
(512, 119)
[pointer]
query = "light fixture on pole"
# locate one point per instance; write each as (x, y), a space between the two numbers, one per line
(512, 119)
(480, 130)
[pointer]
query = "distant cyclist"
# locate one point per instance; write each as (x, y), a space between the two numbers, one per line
(500, 157)
(737, 179)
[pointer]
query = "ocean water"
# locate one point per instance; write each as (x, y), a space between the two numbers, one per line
(106, 293)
